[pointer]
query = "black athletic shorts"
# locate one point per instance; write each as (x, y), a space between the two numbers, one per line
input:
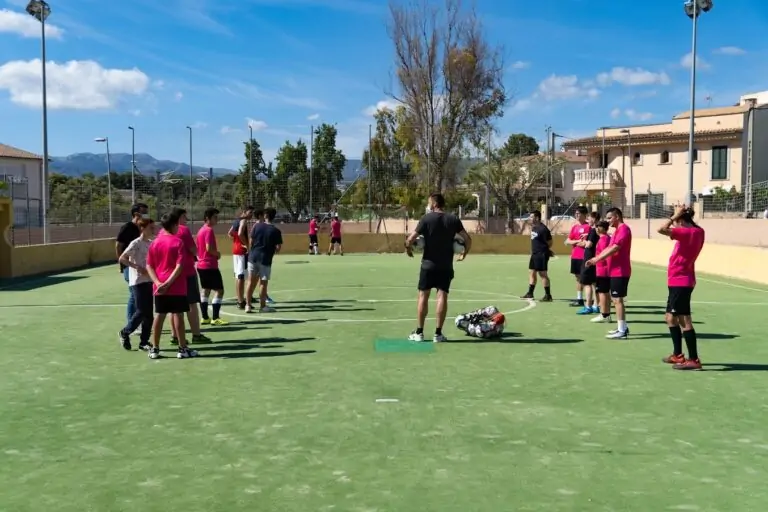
(603, 284)
(193, 290)
(679, 300)
(210, 279)
(619, 287)
(312, 239)
(165, 304)
(435, 278)
(336, 240)
(588, 275)
(576, 266)
(539, 262)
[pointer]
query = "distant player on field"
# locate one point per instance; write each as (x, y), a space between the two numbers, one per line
(618, 254)
(313, 250)
(588, 276)
(238, 232)
(335, 236)
(578, 233)
(208, 257)
(439, 230)
(541, 249)
(681, 280)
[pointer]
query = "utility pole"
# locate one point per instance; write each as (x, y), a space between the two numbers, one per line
(548, 172)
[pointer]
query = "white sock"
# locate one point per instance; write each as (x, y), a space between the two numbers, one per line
(579, 295)
(622, 326)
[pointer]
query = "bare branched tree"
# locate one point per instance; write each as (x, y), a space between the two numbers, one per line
(450, 80)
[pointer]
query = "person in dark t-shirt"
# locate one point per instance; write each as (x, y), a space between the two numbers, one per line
(588, 276)
(128, 233)
(439, 230)
(266, 241)
(541, 250)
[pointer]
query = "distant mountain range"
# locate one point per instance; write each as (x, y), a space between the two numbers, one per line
(84, 163)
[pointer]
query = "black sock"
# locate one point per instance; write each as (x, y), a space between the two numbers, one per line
(690, 342)
(547, 291)
(204, 309)
(606, 315)
(216, 306)
(531, 287)
(438, 331)
(419, 330)
(677, 340)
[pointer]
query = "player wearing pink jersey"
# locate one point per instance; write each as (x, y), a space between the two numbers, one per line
(681, 280)
(208, 257)
(578, 233)
(619, 268)
(602, 279)
(313, 235)
(335, 245)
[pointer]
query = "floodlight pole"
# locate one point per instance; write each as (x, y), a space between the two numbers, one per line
(190, 171)
(133, 165)
(250, 165)
(109, 176)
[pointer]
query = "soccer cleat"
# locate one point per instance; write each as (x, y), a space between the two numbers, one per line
(617, 335)
(206, 321)
(579, 303)
(674, 359)
(528, 296)
(546, 298)
(601, 319)
(154, 353)
(584, 311)
(145, 346)
(201, 338)
(186, 353)
(267, 309)
(595, 309)
(438, 338)
(249, 309)
(125, 341)
(174, 341)
(688, 364)
(416, 336)
(241, 305)
(219, 321)
(269, 300)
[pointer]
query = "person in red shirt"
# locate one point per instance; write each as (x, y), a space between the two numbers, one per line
(578, 234)
(335, 236)
(238, 232)
(681, 280)
(208, 257)
(618, 254)
(165, 266)
(313, 235)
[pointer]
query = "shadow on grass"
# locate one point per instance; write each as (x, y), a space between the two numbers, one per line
(660, 321)
(734, 367)
(316, 301)
(699, 335)
(516, 337)
(246, 355)
(35, 283)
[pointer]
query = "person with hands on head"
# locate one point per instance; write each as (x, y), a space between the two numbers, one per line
(618, 254)
(439, 230)
(681, 280)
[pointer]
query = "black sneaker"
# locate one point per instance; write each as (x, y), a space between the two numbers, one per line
(546, 298)
(577, 304)
(145, 346)
(125, 341)
(241, 305)
(154, 353)
(527, 296)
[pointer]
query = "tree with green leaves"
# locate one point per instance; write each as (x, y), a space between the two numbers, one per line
(327, 168)
(291, 178)
(450, 81)
(519, 145)
(255, 175)
(385, 160)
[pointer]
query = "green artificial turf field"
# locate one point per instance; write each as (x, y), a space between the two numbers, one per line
(299, 411)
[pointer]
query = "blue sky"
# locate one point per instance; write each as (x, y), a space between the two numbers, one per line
(286, 64)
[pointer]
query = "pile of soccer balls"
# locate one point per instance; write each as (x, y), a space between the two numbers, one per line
(458, 244)
(487, 322)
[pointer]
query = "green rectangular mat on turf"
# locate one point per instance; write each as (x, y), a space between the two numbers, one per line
(384, 345)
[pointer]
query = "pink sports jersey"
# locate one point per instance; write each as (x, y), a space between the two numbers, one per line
(313, 227)
(205, 260)
(335, 228)
(682, 263)
(602, 266)
(185, 235)
(578, 231)
(620, 265)
(165, 253)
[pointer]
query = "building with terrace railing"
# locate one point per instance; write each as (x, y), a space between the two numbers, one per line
(22, 173)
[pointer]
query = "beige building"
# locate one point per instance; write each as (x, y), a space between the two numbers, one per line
(656, 155)
(22, 171)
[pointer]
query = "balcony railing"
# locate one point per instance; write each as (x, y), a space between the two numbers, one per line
(586, 179)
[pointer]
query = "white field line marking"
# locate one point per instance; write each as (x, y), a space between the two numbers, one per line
(387, 400)
(23, 282)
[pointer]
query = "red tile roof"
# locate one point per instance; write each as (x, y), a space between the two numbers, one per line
(11, 152)
(648, 138)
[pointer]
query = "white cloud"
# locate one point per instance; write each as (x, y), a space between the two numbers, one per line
(23, 24)
(77, 85)
(313, 117)
(632, 77)
(687, 61)
(158, 84)
(638, 116)
(557, 87)
(256, 125)
(225, 130)
(616, 113)
(729, 50)
(198, 125)
(520, 64)
(382, 105)
(178, 96)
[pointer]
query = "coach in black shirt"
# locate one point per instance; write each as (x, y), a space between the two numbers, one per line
(541, 249)
(439, 230)
(127, 234)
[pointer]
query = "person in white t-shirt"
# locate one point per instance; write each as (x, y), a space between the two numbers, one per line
(135, 258)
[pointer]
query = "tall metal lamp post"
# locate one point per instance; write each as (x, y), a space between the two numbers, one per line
(250, 164)
(133, 164)
(631, 162)
(190, 171)
(693, 9)
(109, 175)
(40, 10)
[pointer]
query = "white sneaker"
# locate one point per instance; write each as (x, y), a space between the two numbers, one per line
(248, 309)
(267, 309)
(154, 353)
(186, 353)
(600, 319)
(414, 336)
(439, 338)
(617, 334)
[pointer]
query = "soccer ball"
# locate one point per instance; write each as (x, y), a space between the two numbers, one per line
(419, 244)
(458, 245)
